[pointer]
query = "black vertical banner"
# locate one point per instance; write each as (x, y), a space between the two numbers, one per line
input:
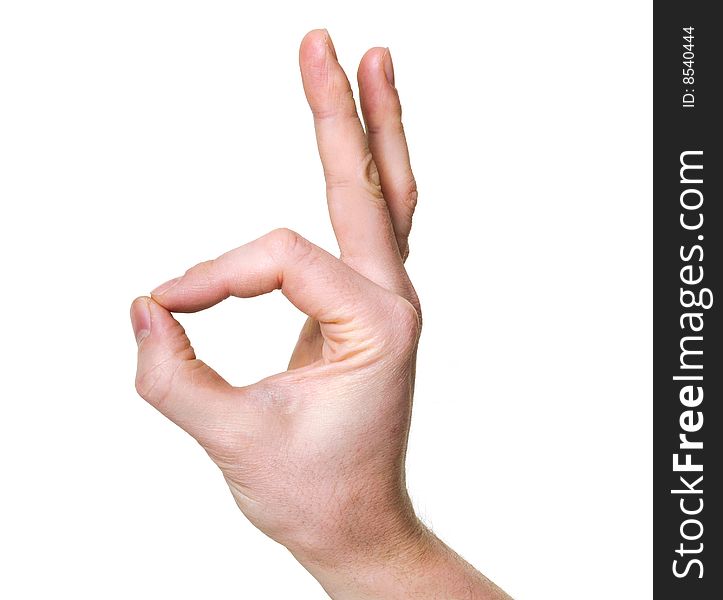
(688, 298)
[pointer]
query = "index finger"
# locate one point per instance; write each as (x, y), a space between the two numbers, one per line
(312, 279)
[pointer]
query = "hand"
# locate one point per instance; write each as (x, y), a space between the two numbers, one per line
(314, 456)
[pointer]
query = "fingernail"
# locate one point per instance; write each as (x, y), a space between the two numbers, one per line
(388, 67)
(329, 43)
(141, 319)
(164, 287)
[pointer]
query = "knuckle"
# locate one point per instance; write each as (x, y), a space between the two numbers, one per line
(413, 299)
(338, 106)
(154, 384)
(369, 175)
(322, 112)
(145, 384)
(282, 239)
(406, 322)
(336, 180)
(335, 102)
(364, 176)
(403, 244)
(285, 242)
(388, 125)
(410, 195)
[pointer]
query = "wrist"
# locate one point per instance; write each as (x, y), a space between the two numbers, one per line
(367, 569)
(358, 535)
(410, 562)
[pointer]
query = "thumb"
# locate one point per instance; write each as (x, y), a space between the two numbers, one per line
(172, 379)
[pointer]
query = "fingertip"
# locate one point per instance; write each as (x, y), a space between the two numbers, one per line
(158, 312)
(149, 316)
(378, 94)
(141, 318)
(325, 83)
(165, 348)
(139, 300)
(320, 33)
(371, 63)
(156, 298)
(165, 334)
(315, 45)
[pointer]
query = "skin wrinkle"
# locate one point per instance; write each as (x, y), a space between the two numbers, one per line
(364, 178)
(147, 391)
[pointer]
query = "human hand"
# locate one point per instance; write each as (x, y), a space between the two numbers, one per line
(314, 456)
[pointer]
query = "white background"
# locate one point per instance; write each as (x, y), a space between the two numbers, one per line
(140, 137)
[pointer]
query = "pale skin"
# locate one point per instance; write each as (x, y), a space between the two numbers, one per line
(314, 456)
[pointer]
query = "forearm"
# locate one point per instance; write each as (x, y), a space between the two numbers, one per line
(413, 564)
